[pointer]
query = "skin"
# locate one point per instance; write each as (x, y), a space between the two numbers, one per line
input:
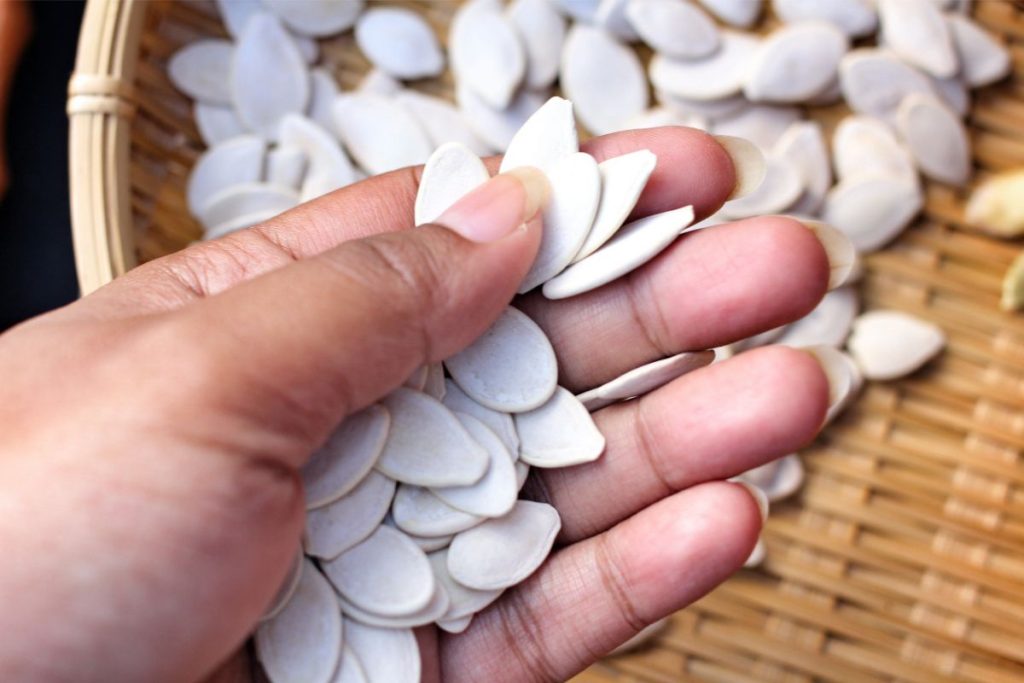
(15, 23)
(154, 429)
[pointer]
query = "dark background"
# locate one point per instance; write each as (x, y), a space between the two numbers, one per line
(37, 270)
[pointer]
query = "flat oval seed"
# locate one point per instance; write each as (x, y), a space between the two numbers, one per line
(674, 28)
(840, 378)
(435, 384)
(778, 479)
(387, 655)
(377, 82)
(463, 601)
(781, 187)
(757, 555)
(269, 77)
(542, 31)
(502, 552)
(891, 344)
(796, 62)
(855, 18)
(739, 13)
(762, 124)
(427, 445)
(872, 209)
(611, 16)
(511, 367)
(623, 179)
(546, 138)
(386, 574)
(828, 324)
(347, 457)
(498, 422)
(936, 137)
(497, 127)
(982, 59)
(875, 81)
(202, 70)
(302, 644)
(334, 528)
(451, 172)
(433, 611)
(350, 670)
(803, 146)
(232, 162)
(430, 544)
(329, 167)
(575, 193)
(645, 379)
(522, 473)
(560, 433)
(862, 145)
(236, 14)
(842, 256)
(379, 132)
(286, 164)
(399, 42)
(953, 93)
(486, 53)
(418, 379)
(455, 626)
(495, 494)
(632, 246)
(419, 512)
(216, 123)
(713, 110)
(442, 121)
(718, 76)
(317, 18)
(323, 91)
(919, 34)
(254, 201)
(591, 60)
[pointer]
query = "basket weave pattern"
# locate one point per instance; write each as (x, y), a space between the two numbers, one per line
(903, 557)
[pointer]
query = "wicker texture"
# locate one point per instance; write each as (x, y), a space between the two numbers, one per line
(903, 557)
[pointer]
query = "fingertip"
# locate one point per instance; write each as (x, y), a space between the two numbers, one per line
(798, 413)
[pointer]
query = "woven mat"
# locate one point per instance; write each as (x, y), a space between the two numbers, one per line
(903, 557)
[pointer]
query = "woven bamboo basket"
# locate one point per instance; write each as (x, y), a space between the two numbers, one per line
(903, 557)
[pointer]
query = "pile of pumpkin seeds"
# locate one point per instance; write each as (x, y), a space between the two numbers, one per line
(399, 535)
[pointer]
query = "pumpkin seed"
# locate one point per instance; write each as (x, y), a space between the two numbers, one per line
(644, 379)
(842, 257)
(919, 34)
(379, 132)
(997, 204)
(338, 526)
(451, 172)
(863, 145)
(317, 18)
(419, 512)
(323, 92)
(713, 78)
(875, 81)
(347, 457)
(236, 14)
(455, 626)
(803, 147)
(674, 28)
(216, 123)
(709, 110)
(498, 422)
(232, 162)
(329, 167)
(757, 555)
(780, 189)
(463, 601)
(764, 125)
(559, 433)
(623, 179)
(399, 42)
(891, 344)
(442, 122)
(350, 670)
(542, 31)
(828, 324)
(778, 479)
(377, 82)
(592, 59)
(611, 16)
(953, 93)
(387, 655)
(486, 54)
(497, 127)
(872, 209)
(286, 165)
(202, 70)
(433, 611)
(936, 138)
(251, 202)
(795, 62)
(982, 59)
(840, 378)
(739, 13)
(495, 494)
(547, 137)
(855, 18)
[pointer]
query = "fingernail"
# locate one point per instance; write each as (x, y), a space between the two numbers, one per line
(842, 256)
(758, 495)
(499, 206)
(747, 162)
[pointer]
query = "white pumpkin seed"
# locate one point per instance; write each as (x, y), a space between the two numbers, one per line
(442, 122)
(380, 133)
(611, 16)
(216, 123)
(510, 368)
(427, 445)
(286, 165)
(762, 124)
(522, 473)
(302, 644)
(997, 204)
(803, 147)
(338, 526)
(236, 14)
(254, 201)
(778, 479)
(450, 173)
(418, 379)
(716, 77)
(763, 339)
(455, 626)
(317, 18)
(428, 614)
(581, 10)
(350, 670)
(782, 186)
(307, 47)
(592, 59)
(936, 137)
(840, 378)
(486, 53)
(739, 13)
(380, 83)
(875, 81)
(890, 344)
(329, 167)
(855, 18)
(757, 555)
(502, 552)
(919, 34)
(347, 457)
(862, 145)
(463, 601)
(644, 379)
(632, 246)
(795, 62)
(418, 512)
(388, 655)
(268, 76)
(872, 209)
(674, 28)
(953, 92)
(323, 91)
(828, 324)
(842, 257)
(497, 127)
(498, 422)
(575, 193)
(983, 60)
(560, 433)
(386, 574)
(287, 589)
(435, 384)
(830, 94)
(202, 70)
(399, 42)
(623, 179)
(430, 544)
(495, 494)
(232, 162)
(711, 110)
(547, 137)
(542, 31)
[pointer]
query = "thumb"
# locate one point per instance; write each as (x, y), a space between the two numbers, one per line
(303, 346)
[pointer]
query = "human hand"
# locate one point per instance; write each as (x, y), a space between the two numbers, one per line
(148, 478)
